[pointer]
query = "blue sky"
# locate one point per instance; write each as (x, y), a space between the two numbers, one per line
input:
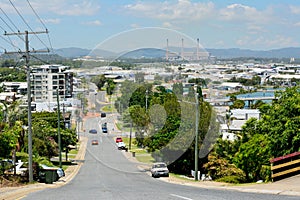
(255, 24)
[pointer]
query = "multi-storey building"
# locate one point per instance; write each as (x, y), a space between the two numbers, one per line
(46, 80)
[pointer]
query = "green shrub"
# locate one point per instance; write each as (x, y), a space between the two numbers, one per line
(265, 173)
(231, 179)
(219, 168)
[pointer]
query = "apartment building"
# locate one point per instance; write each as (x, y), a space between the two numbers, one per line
(46, 80)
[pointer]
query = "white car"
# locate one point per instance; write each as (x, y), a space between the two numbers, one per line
(159, 169)
(121, 146)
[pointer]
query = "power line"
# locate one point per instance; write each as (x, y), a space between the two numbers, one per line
(40, 59)
(10, 21)
(41, 23)
(27, 24)
(10, 42)
(36, 14)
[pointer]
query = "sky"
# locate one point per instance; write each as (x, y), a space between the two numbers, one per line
(255, 24)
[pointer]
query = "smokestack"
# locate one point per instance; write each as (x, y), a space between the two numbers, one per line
(167, 51)
(198, 49)
(182, 53)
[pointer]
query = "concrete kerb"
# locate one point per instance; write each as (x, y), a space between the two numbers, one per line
(276, 188)
(12, 193)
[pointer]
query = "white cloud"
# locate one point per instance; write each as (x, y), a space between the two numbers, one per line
(93, 23)
(294, 9)
(51, 21)
(181, 10)
(239, 12)
(61, 7)
(297, 24)
(167, 25)
(82, 8)
(134, 26)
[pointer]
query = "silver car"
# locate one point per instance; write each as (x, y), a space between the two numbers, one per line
(159, 169)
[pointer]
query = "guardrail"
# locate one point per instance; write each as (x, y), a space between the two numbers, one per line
(285, 166)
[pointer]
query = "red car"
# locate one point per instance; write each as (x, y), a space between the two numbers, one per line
(119, 139)
(95, 142)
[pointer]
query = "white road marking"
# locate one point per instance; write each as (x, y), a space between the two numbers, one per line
(181, 197)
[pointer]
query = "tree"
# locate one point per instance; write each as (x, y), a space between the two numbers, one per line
(139, 77)
(141, 120)
(8, 139)
(99, 81)
(237, 104)
(252, 155)
(281, 122)
(110, 86)
(178, 89)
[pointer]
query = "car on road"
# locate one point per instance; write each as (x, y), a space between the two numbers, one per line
(119, 139)
(95, 142)
(103, 114)
(93, 131)
(159, 169)
(121, 146)
(104, 130)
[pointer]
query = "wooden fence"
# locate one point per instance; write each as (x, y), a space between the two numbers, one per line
(285, 166)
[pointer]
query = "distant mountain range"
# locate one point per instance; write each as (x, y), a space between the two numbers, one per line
(290, 52)
(73, 52)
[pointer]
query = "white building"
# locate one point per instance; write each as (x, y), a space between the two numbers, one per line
(46, 80)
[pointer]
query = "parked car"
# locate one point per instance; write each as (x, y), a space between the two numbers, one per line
(95, 142)
(119, 139)
(159, 169)
(93, 131)
(121, 146)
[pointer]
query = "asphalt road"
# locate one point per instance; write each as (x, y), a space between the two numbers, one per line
(107, 174)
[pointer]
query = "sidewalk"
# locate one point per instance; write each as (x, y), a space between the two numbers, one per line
(12, 193)
(288, 186)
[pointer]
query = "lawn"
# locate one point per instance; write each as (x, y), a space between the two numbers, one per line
(141, 154)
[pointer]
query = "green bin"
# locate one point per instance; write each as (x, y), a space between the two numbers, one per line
(50, 175)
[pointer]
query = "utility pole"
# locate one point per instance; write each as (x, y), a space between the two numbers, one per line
(58, 128)
(130, 135)
(196, 135)
(27, 57)
(196, 131)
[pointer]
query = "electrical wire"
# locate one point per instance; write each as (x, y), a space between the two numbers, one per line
(40, 59)
(27, 24)
(11, 29)
(9, 38)
(41, 23)
(10, 20)
(9, 42)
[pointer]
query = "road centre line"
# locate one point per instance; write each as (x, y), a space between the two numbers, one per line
(181, 197)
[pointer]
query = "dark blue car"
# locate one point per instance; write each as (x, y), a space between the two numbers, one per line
(93, 131)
